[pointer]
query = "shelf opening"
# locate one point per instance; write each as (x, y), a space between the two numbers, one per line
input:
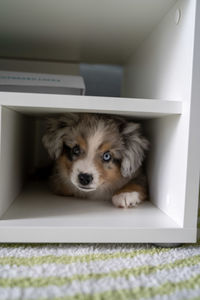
(24, 200)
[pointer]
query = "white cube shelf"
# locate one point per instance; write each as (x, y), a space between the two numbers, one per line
(161, 89)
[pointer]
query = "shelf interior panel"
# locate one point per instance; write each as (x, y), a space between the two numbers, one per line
(87, 31)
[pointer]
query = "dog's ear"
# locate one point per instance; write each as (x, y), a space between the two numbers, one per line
(57, 130)
(134, 148)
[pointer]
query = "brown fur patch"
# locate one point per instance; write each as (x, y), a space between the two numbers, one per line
(63, 166)
(64, 163)
(82, 143)
(132, 187)
(60, 189)
(108, 173)
(104, 147)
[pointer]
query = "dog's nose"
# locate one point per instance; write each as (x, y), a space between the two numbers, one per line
(85, 178)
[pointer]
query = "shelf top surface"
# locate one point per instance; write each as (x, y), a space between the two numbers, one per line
(42, 104)
(89, 31)
(36, 207)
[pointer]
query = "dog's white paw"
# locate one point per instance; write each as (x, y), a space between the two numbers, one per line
(126, 200)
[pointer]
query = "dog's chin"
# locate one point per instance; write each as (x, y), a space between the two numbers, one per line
(85, 189)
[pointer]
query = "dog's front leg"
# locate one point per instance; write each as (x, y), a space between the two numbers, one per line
(129, 196)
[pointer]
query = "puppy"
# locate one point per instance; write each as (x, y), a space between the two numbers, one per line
(97, 156)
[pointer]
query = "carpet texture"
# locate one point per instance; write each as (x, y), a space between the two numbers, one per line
(96, 271)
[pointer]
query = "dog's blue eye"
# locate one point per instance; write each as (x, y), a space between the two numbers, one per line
(107, 156)
(76, 150)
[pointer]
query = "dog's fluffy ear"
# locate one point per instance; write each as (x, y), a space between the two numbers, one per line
(57, 131)
(135, 146)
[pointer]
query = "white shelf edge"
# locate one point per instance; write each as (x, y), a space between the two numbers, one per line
(39, 103)
(95, 235)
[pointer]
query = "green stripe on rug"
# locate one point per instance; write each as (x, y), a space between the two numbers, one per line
(126, 273)
(64, 259)
(137, 293)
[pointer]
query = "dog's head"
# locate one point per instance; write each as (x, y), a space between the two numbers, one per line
(95, 150)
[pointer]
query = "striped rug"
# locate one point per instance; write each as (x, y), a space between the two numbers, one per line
(96, 271)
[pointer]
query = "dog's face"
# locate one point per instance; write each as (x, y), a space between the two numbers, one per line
(94, 151)
(91, 161)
